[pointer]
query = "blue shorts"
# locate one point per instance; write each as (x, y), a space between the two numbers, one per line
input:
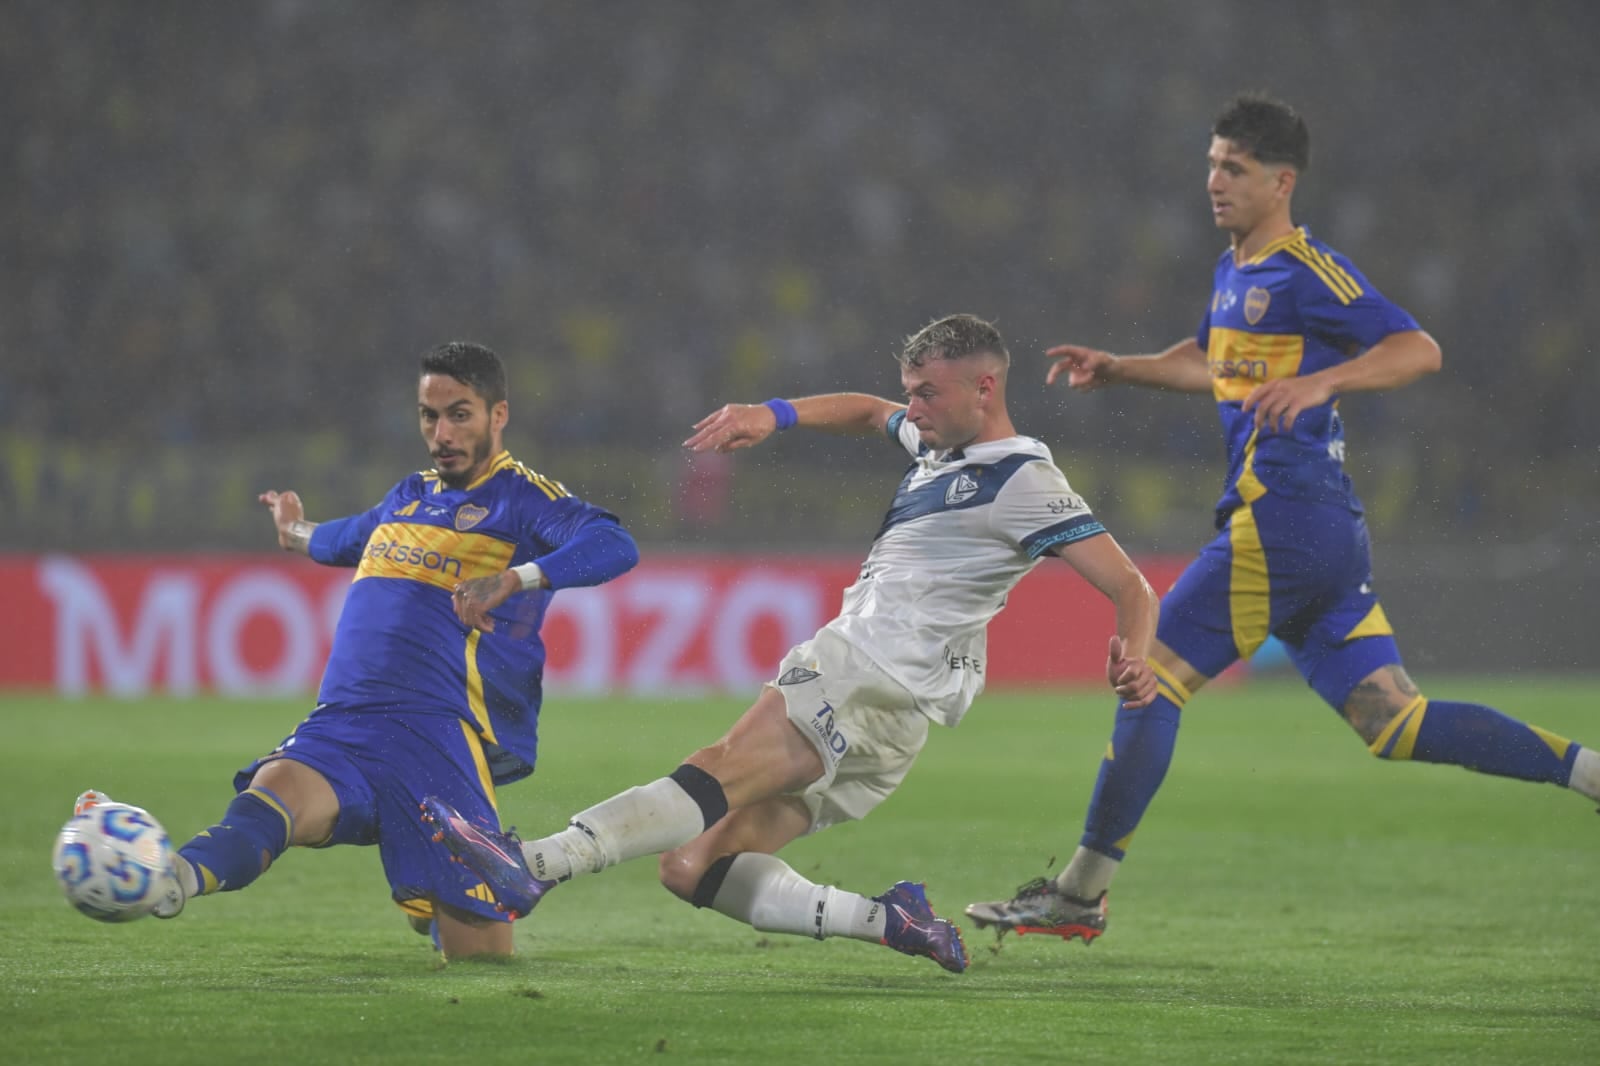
(1299, 571)
(381, 764)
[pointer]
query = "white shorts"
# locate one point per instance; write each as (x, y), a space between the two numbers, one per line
(863, 723)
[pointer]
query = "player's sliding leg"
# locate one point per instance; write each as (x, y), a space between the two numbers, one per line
(1399, 723)
(730, 869)
(287, 803)
(763, 755)
(645, 820)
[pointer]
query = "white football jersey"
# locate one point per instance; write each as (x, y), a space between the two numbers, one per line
(964, 527)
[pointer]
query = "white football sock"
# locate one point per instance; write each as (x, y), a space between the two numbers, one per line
(1087, 875)
(1586, 774)
(764, 892)
(645, 820)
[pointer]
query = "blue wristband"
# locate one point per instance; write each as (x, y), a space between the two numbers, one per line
(783, 411)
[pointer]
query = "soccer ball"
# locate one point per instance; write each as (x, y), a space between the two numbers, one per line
(113, 862)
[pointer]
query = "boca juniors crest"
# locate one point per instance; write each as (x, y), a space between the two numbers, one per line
(1255, 305)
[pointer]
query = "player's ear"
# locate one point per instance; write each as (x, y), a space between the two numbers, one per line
(1287, 176)
(499, 414)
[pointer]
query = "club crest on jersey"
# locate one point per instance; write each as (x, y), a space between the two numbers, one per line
(797, 675)
(468, 515)
(963, 488)
(1255, 305)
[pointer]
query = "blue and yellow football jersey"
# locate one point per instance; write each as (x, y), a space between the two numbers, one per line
(1294, 308)
(399, 645)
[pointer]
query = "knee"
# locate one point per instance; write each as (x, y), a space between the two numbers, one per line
(681, 872)
(1390, 731)
(1369, 727)
(1374, 704)
(1372, 719)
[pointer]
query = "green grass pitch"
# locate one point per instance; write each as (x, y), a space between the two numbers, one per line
(1289, 899)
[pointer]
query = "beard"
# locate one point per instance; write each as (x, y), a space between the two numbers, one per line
(461, 479)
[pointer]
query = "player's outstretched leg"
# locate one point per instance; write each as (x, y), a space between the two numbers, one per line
(911, 927)
(1040, 907)
(765, 893)
(1486, 740)
(492, 855)
(173, 896)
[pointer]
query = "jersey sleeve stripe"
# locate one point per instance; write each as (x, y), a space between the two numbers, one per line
(1074, 529)
(1338, 272)
(1320, 271)
(552, 489)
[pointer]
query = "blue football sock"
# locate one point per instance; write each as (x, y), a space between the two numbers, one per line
(1478, 738)
(1131, 772)
(255, 830)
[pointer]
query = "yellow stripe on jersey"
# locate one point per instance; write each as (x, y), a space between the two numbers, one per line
(1249, 484)
(1239, 362)
(1249, 584)
(1275, 247)
(485, 778)
(475, 700)
(1337, 272)
(433, 555)
(552, 489)
(1331, 273)
(501, 462)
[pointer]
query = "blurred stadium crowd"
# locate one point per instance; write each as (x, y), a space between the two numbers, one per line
(231, 228)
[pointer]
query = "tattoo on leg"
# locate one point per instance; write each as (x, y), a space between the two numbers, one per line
(1367, 710)
(1402, 681)
(1373, 704)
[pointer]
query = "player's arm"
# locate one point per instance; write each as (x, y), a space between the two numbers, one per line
(1180, 368)
(590, 547)
(742, 425)
(336, 542)
(1103, 563)
(1396, 360)
(289, 516)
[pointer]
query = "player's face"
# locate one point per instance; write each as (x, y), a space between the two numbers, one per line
(944, 400)
(461, 431)
(1244, 191)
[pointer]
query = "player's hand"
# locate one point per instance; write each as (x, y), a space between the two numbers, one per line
(733, 426)
(475, 597)
(1086, 368)
(1277, 403)
(1132, 678)
(287, 513)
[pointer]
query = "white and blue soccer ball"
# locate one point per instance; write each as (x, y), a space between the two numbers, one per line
(113, 861)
